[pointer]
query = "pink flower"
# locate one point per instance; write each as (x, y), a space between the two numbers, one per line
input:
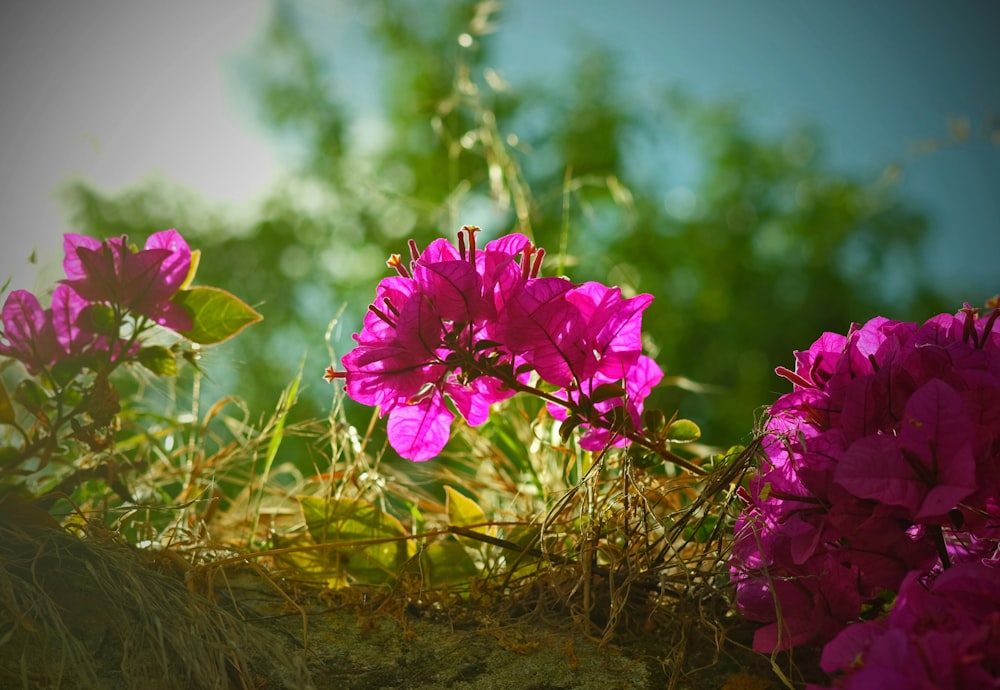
(927, 468)
(30, 334)
(141, 282)
(884, 459)
(941, 636)
(582, 337)
(41, 338)
(422, 334)
(469, 325)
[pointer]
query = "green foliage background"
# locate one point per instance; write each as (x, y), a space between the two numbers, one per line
(769, 248)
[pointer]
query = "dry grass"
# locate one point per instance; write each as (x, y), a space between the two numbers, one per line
(85, 610)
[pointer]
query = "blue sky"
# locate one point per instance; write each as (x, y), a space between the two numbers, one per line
(115, 91)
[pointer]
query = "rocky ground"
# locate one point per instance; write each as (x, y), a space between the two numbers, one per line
(80, 613)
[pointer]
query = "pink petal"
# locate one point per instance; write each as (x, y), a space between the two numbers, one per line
(453, 286)
(873, 467)
(542, 327)
(420, 328)
(843, 651)
(473, 406)
(511, 244)
(66, 308)
(385, 375)
(72, 265)
(419, 431)
(28, 330)
(439, 250)
(94, 275)
(177, 264)
(23, 317)
(936, 429)
(141, 282)
(817, 364)
(398, 291)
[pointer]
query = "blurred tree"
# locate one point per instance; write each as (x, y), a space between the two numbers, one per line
(757, 255)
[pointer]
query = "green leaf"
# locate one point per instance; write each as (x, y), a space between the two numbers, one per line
(66, 370)
(101, 319)
(486, 345)
(159, 360)
(7, 415)
(288, 398)
(682, 431)
(528, 537)
(464, 512)
(217, 315)
(31, 395)
(317, 566)
(568, 426)
(10, 456)
(447, 563)
(701, 532)
(727, 458)
(653, 420)
(607, 391)
(619, 419)
(642, 458)
(374, 550)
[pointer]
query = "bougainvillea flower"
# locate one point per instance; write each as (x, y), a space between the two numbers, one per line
(580, 338)
(941, 636)
(453, 281)
(570, 333)
(815, 366)
(419, 431)
(614, 325)
(466, 326)
(927, 468)
(461, 327)
(639, 381)
(421, 334)
(883, 458)
(41, 338)
(28, 330)
(141, 282)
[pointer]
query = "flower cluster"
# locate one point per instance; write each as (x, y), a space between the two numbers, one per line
(471, 326)
(882, 473)
(141, 282)
(100, 276)
(939, 636)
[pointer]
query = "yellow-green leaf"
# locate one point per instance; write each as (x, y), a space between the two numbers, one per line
(159, 360)
(463, 511)
(606, 391)
(31, 396)
(217, 315)
(447, 563)
(195, 260)
(7, 415)
(683, 431)
(317, 566)
(374, 545)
